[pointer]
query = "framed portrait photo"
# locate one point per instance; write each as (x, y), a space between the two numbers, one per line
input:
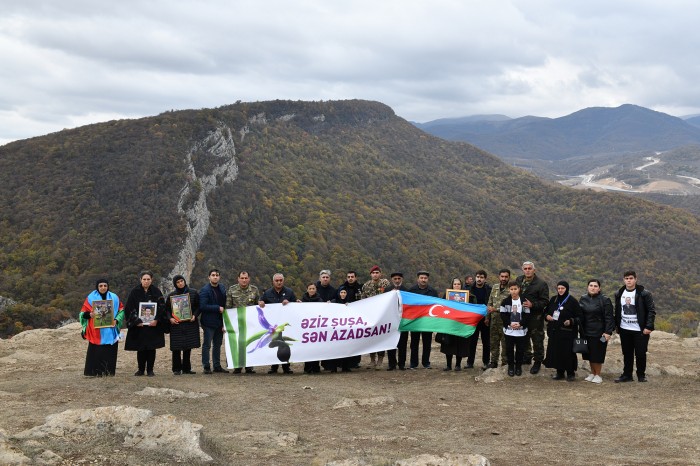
(180, 304)
(147, 312)
(103, 313)
(460, 296)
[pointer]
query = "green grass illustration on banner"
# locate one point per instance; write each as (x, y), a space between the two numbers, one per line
(237, 341)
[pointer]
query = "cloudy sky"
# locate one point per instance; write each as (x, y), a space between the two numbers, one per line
(72, 62)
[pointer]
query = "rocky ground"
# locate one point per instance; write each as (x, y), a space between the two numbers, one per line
(51, 414)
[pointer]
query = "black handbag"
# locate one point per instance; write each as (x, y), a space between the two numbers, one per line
(442, 338)
(580, 345)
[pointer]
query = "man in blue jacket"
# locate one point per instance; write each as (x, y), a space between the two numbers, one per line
(212, 299)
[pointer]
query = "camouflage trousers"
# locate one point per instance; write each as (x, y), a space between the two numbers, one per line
(498, 339)
(535, 338)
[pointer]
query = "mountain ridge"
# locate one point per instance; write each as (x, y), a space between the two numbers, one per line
(340, 185)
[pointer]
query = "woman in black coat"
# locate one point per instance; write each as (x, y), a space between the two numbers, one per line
(597, 325)
(562, 315)
(184, 334)
(145, 338)
(452, 345)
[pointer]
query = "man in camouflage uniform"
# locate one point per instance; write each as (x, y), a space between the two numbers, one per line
(535, 295)
(374, 286)
(493, 305)
(243, 294)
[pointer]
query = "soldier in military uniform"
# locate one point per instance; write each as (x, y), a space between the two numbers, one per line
(243, 294)
(498, 341)
(374, 286)
(534, 295)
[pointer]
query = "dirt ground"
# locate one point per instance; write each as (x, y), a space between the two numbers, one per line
(528, 420)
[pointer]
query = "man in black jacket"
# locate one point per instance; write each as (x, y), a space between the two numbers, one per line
(535, 295)
(397, 284)
(422, 287)
(278, 294)
(634, 319)
(481, 290)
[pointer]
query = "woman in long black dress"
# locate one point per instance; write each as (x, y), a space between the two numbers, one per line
(101, 358)
(145, 338)
(597, 325)
(452, 345)
(184, 334)
(562, 315)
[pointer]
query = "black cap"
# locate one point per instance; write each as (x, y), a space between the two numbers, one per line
(396, 274)
(423, 272)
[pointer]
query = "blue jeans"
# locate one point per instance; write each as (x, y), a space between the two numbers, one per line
(217, 335)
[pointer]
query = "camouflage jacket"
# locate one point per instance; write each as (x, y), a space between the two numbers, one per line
(497, 295)
(371, 288)
(237, 296)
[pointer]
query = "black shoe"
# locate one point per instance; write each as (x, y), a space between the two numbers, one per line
(448, 368)
(220, 370)
(571, 378)
(511, 371)
(207, 370)
(288, 371)
(427, 367)
(402, 368)
(492, 365)
(188, 372)
(177, 372)
(641, 379)
(138, 373)
(249, 370)
(469, 366)
(390, 368)
(535, 367)
(150, 374)
(623, 378)
(458, 368)
(558, 376)
(518, 371)
(237, 370)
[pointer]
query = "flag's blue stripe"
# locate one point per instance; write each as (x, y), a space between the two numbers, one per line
(422, 300)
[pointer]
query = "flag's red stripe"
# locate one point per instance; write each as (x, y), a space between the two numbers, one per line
(416, 311)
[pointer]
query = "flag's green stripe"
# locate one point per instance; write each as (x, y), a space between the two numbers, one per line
(242, 335)
(432, 324)
(231, 336)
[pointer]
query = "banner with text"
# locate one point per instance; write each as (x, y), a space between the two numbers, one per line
(301, 332)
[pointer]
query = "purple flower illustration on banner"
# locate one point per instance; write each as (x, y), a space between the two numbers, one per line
(271, 337)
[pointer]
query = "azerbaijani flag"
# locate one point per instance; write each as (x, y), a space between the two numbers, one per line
(428, 314)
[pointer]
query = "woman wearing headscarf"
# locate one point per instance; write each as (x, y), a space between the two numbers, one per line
(184, 334)
(562, 315)
(145, 338)
(101, 358)
(452, 345)
(597, 325)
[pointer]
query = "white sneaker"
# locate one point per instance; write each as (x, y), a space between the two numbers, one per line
(597, 379)
(589, 378)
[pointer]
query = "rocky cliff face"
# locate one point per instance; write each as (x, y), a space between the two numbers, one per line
(210, 163)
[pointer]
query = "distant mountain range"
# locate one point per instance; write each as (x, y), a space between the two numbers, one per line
(591, 131)
(299, 187)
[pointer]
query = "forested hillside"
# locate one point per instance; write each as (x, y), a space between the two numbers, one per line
(339, 185)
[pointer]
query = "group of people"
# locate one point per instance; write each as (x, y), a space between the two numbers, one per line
(512, 333)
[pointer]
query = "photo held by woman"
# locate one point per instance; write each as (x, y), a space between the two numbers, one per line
(452, 345)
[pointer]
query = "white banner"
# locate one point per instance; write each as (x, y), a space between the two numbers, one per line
(301, 332)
